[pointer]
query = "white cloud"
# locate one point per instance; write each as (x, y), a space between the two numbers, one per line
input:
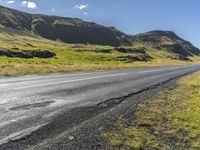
(85, 13)
(53, 10)
(24, 3)
(82, 6)
(10, 2)
(29, 4)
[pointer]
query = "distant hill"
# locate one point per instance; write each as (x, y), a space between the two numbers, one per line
(69, 30)
(169, 41)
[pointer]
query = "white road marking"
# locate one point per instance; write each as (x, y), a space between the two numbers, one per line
(145, 71)
(52, 76)
(70, 81)
(171, 68)
(49, 77)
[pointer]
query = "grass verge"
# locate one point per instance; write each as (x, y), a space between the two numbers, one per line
(170, 121)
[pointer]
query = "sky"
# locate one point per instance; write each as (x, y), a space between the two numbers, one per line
(129, 16)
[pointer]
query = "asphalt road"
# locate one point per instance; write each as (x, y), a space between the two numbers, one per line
(29, 102)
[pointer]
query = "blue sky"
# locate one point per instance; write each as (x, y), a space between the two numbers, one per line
(129, 16)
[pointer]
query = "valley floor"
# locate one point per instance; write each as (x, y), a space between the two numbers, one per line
(168, 121)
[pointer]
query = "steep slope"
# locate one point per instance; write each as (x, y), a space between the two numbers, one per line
(15, 19)
(69, 30)
(169, 41)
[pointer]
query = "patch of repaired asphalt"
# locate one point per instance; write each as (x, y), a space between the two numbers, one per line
(31, 106)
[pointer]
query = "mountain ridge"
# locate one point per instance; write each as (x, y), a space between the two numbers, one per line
(69, 30)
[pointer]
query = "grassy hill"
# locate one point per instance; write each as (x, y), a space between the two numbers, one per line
(27, 46)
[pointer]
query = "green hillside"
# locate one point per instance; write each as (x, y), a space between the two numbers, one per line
(44, 44)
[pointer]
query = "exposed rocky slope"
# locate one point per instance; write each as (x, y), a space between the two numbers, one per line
(169, 41)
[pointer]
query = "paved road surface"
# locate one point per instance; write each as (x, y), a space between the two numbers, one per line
(29, 102)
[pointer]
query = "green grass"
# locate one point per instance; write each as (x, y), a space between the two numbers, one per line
(170, 121)
(69, 59)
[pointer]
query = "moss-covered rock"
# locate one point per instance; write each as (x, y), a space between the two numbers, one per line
(27, 53)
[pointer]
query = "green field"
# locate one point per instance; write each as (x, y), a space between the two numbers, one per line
(76, 57)
(170, 121)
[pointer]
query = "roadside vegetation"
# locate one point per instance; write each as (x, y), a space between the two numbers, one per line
(21, 49)
(170, 121)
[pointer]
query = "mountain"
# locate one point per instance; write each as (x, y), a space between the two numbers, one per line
(169, 41)
(68, 30)
(74, 30)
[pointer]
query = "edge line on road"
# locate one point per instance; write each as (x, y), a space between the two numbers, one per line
(106, 76)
